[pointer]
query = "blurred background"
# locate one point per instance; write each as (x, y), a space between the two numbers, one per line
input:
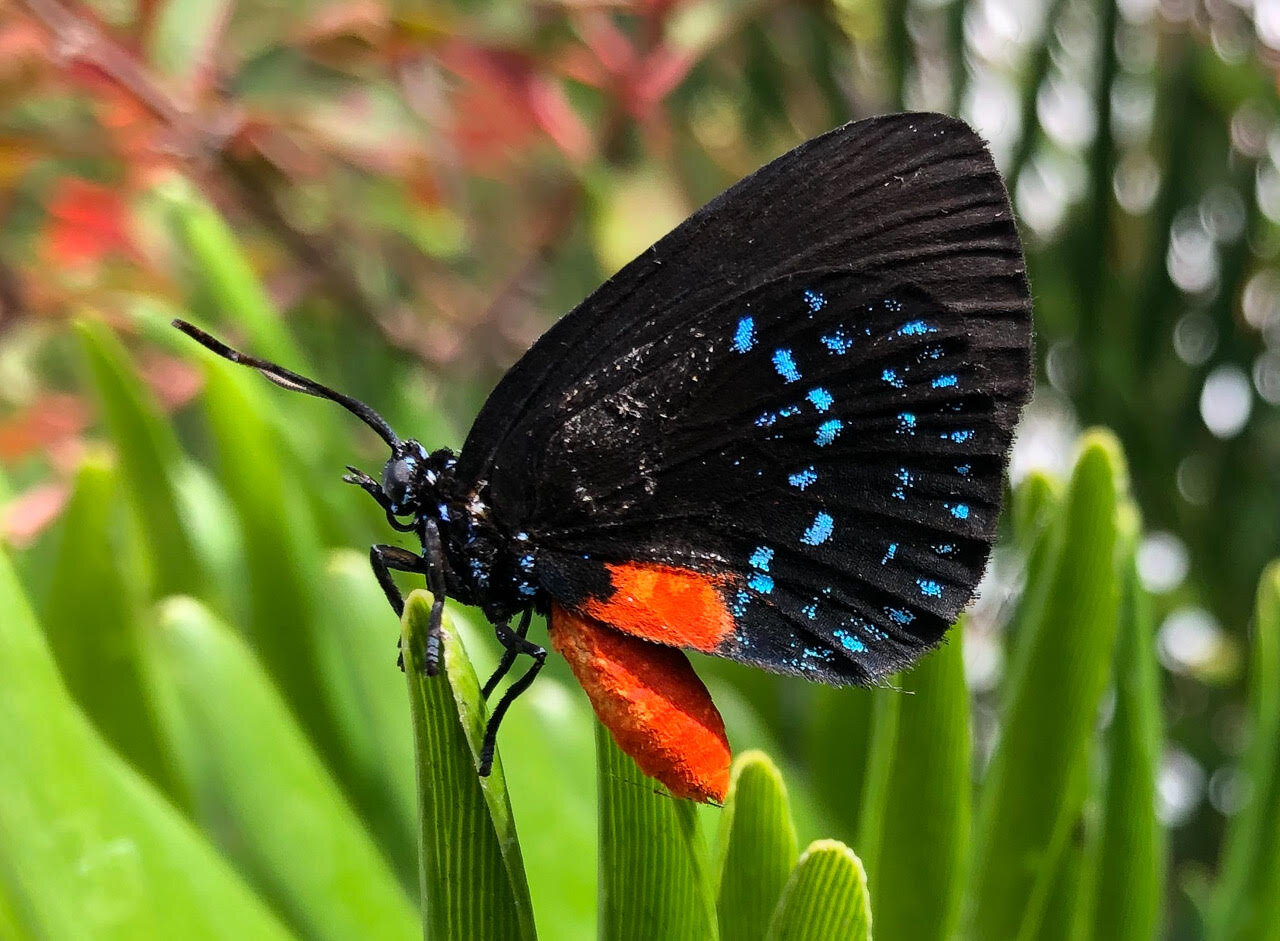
(399, 196)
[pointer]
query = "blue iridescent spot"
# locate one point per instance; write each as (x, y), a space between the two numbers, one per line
(963, 470)
(803, 478)
(929, 587)
(906, 423)
(526, 563)
(946, 548)
(915, 328)
(526, 589)
(815, 301)
(739, 606)
(944, 382)
(820, 398)
(960, 511)
(810, 610)
(827, 431)
(960, 437)
(933, 352)
(820, 530)
(443, 510)
(785, 364)
(890, 553)
(760, 582)
(837, 342)
(891, 376)
(745, 336)
(761, 558)
(905, 479)
(848, 641)
(900, 615)
(892, 303)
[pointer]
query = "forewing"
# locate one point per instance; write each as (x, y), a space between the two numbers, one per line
(806, 392)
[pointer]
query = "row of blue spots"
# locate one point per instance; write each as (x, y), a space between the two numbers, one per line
(889, 553)
(761, 558)
(525, 563)
(785, 364)
(760, 582)
(916, 328)
(891, 376)
(819, 530)
(959, 437)
(766, 419)
(960, 510)
(479, 571)
(828, 431)
(815, 301)
(944, 382)
(929, 588)
(848, 641)
(739, 610)
(820, 398)
(945, 548)
(905, 479)
(900, 616)
(906, 423)
(745, 336)
(804, 478)
(963, 470)
(810, 610)
(837, 342)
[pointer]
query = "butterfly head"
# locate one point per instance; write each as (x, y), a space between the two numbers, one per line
(411, 477)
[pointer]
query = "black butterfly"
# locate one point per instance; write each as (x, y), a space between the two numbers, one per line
(778, 436)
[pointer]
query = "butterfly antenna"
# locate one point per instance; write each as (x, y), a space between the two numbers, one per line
(288, 379)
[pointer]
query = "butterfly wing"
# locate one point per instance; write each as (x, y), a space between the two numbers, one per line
(790, 416)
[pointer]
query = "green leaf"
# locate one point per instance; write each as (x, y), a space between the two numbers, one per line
(757, 847)
(90, 617)
(90, 848)
(183, 40)
(825, 899)
(922, 825)
(149, 458)
(222, 270)
(472, 875)
(1129, 882)
(1247, 903)
(284, 554)
(259, 787)
(356, 634)
(1029, 801)
(654, 880)
(837, 749)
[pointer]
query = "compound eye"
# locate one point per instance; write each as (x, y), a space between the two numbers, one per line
(397, 481)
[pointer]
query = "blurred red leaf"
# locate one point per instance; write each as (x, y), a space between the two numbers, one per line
(30, 513)
(86, 223)
(43, 425)
(174, 381)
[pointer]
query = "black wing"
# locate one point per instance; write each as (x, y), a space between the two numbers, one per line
(810, 386)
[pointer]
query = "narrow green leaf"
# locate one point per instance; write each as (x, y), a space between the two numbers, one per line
(472, 875)
(149, 456)
(1028, 800)
(284, 554)
(837, 739)
(90, 616)
(757, 848)
(222, 270)
(259, 788)
(1247, 903)
(90, 848)
(654, 880)
(356, 634)
(922, 829)
(825, 899)
(1129, 880)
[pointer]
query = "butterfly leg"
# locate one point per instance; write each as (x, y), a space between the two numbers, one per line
(384, 559)
(508, 655)
(512, 641)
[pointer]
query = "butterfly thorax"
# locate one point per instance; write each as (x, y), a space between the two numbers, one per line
(488, 566)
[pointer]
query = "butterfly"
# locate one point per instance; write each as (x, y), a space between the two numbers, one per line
(779, 436)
